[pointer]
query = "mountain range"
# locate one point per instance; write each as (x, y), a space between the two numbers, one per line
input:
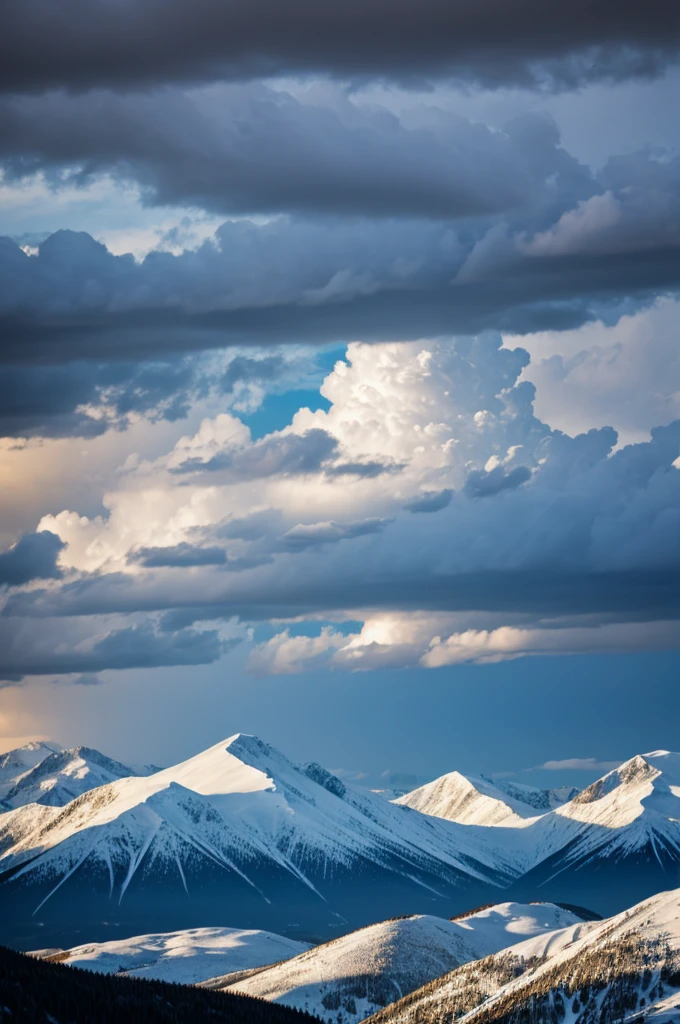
(240, 836)
(625, 968)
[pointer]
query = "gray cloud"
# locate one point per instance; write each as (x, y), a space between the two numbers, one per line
(180, 556)
(483, 483)
(313, 535)
(429, 501)
(85, 43)
(284, 454)
(33, 557)
(192, 150)
(142, 645)
(299, 281)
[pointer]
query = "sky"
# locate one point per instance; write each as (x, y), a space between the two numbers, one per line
(340, 387)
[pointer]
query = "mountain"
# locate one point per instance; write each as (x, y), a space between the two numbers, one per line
(185, 957)
(616, 842)
(33, 991)
(540, 799)
(15, 763)
(238, 835)
(469, 800)
(476, 800)
(624, 968)
(63, 775)
(355, 975)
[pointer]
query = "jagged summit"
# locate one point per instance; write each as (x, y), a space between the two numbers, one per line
(469, 800)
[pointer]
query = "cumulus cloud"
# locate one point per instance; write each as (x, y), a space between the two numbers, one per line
(563, 544)
(579, 764)
(626, 375)
(204, 40)
(33, 557)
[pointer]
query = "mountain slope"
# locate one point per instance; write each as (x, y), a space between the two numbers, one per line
(34, 992)
(469, 800)
(614, 843)
(64, 775)
(626, 967)
(15, 763)
(238, 832)
(185, 957)
(369, 968)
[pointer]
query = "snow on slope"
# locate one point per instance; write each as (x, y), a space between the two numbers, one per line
(469, 800)
(633, 809)
(614, 969)
(64, 775)
(15, 763)
(369, 968)
(243, 810)
(185, 957)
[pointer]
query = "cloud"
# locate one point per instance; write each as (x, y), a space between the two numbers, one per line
(73, 651)
(481, 483)
(626, 375)
(203, 40)
(429, 501)
(579, 764)
(293, 280)
(182, 555)
(280, 454)
(309, 535)
(583, 557)
(285, 654)
(190, 150)
(33, 557)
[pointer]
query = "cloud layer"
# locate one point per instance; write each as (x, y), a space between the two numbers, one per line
(85, 43)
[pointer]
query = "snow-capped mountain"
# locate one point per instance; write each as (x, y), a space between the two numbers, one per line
(469, 800)
(186, 957)
(476, 800)
(623, 968)
(240, 835)
(238, 832)
(357, 974)
(614, 843)
(63, 775)
(15, 763)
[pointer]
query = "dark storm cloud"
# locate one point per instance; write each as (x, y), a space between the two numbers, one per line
(61, 401)
(258, 150)
(181, 555)
(337, 280)
(33, 557)
(642, 594)
(82, 43)
(57, 652)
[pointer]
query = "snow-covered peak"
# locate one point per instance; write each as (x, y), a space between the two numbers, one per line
(63, 775)
(15, 763)
(469, 800)
(646, 785)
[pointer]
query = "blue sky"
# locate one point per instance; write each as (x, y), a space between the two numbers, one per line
(341, 403)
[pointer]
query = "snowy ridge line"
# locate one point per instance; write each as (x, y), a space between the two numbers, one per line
(590, 971)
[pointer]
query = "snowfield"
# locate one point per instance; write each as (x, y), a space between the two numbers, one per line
(186, 957)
